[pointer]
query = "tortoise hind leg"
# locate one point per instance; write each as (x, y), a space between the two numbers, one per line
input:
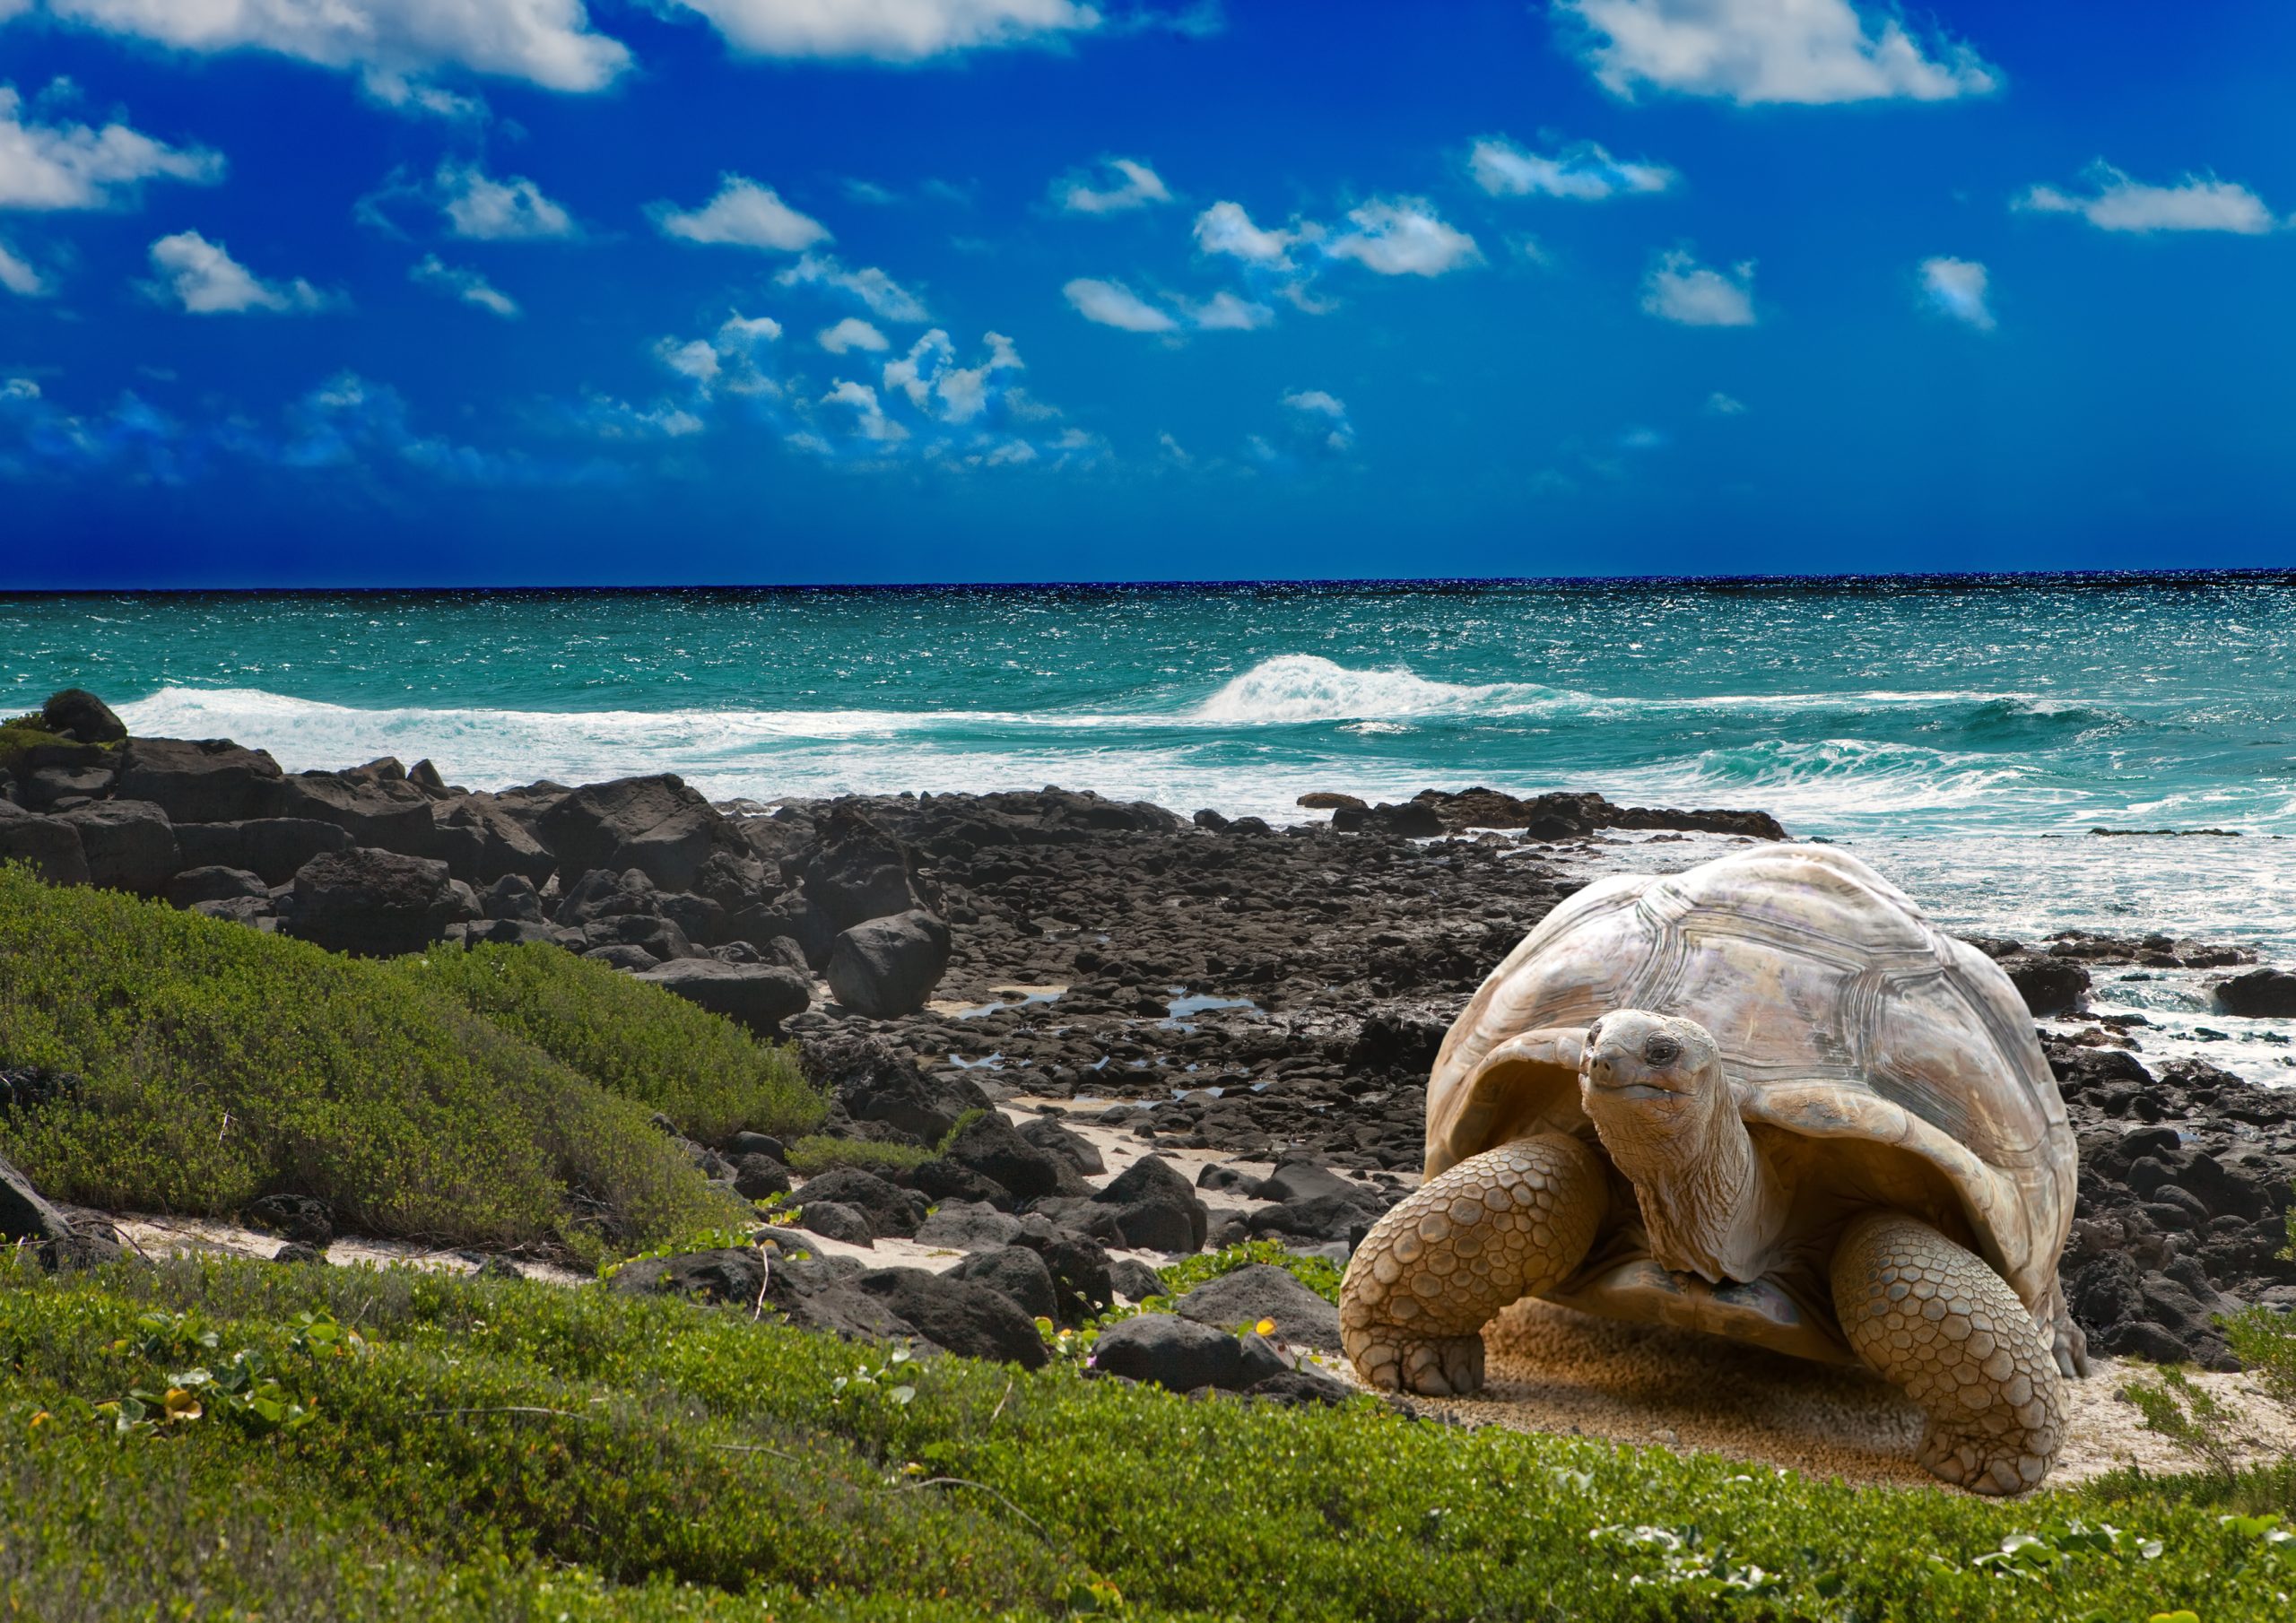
(1494, 1228)
(1935, 1319)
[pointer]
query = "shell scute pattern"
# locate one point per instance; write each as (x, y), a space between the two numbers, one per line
(1840, 1012)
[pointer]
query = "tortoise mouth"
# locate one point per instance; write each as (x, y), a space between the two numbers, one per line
(1632, 1090)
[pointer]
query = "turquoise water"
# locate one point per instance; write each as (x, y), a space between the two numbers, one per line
(1965, 735)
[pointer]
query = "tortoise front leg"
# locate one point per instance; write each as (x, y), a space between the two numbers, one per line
(1941, 1325)
(1494, 1228)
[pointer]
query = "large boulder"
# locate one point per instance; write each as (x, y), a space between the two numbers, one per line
(79, 714)
(656, 825)
(989, 1145)
(1047, 1133)
(855, 872)
(23, 1214)
(959, 1315)
(216, 883)
(726, 1274)
(2268, 993)
(129, 844)
(377, 904)
(48, 845)
(888, 966)
(385, 813)
(1182, 1354)
(201, 781)
(890, 1208)
(759, 996)
(1155, 1208)
(482, 843)
(1258, 1293)
(1015, 1274)
(274, 848)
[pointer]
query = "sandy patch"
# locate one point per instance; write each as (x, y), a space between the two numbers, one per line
(1553, 1370)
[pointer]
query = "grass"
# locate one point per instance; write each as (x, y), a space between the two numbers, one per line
(809, 1156)
(21, 734)
(219, 1063)
(496, 1450)
(702, 1070)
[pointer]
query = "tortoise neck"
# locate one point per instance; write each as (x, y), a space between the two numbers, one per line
(1711, 1203)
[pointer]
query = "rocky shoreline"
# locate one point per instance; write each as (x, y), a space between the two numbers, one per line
(1265, 1000)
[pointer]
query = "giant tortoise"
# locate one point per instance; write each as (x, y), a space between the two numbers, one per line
(1764, 1098)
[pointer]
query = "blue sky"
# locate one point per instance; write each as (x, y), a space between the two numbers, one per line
(444, 291)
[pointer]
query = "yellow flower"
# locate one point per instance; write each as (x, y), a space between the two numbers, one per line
(180, 1405)
(1266, 1327)
(40, 1420)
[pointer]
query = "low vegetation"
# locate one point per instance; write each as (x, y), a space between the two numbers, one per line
(474, 1101)
(437, 1447)
(21, 734)
(702, 1072)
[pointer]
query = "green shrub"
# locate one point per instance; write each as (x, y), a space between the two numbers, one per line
(646, 1457)
(808, 1156)
(702, 1070)
(220, 1063)
(1318, 1274)
(20, 734)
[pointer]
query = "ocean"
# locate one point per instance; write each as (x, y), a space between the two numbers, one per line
(1964, 735)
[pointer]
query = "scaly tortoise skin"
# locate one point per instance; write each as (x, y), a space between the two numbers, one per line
(1764, 1098)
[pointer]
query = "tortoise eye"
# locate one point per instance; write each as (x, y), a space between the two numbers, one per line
(1662, 1050)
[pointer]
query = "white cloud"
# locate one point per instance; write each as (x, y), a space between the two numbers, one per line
(1719, 404)
(1136, 187)
(1321, 419)
(487, 210)
(466, 285)
(206, 281)
(544, 42)
(21, 276)
(851, 334)
(727, 363)
(888, 30)
(2196, 203)
(1680, 289)
(1223, 312)
(1112, 304)
(1403, 238)
(70, 166)
(935, 384)
(1583, 172)
(742, 215)
(870, 420)
(1225, 228)
(1749, 51)
(879, 293)
(1956, 287)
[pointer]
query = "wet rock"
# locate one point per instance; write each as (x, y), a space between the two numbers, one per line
(1407, 821)
(759, 996)
(887, 967)
(2260, 993)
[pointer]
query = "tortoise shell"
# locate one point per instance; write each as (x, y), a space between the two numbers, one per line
(1840, 1012)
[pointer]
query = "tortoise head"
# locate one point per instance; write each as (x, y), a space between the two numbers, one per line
(1653, 1086)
